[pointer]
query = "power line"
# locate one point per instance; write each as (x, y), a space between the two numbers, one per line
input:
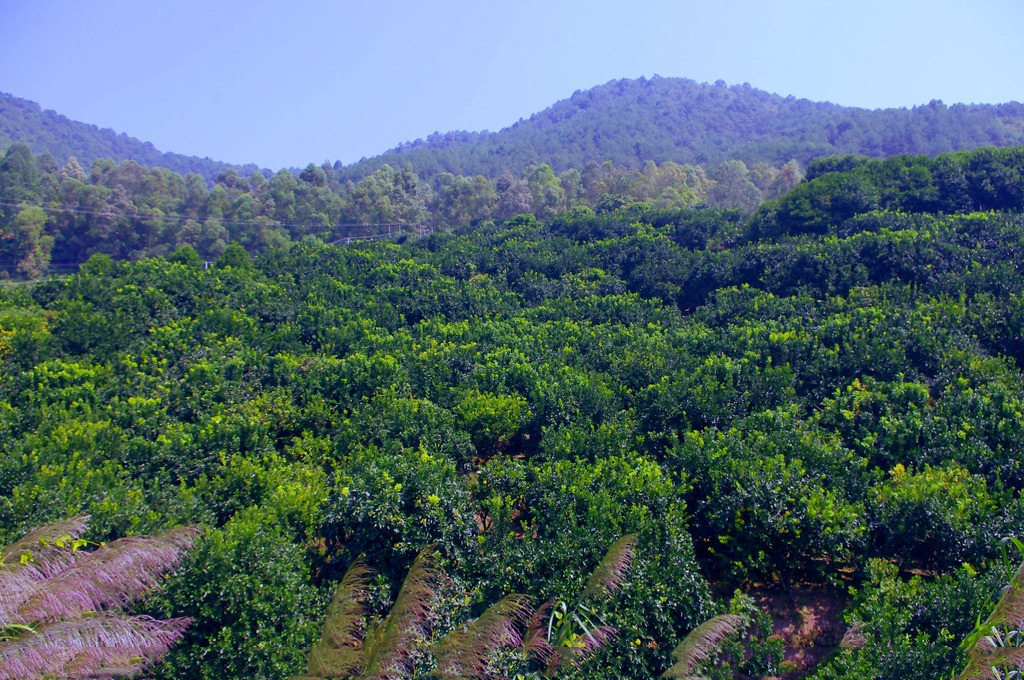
(393, 228)
(184, 218)
(420, 231)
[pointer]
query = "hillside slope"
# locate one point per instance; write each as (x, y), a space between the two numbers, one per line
(630, 122)
(25, 121)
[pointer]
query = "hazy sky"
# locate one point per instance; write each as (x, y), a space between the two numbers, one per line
(287, 83)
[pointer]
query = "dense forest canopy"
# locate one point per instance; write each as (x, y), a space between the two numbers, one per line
(823, 396)
(53, 218)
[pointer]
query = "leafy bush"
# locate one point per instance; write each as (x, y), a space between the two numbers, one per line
(392, 504)
(247, 589)
(912, 626)
(937, 517)
(545, 524)
(760, 510)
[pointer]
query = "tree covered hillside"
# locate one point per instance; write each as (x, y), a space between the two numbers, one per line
(626, 122)
(826, 396)
(47, 131)
(631, 122)
(56, 217)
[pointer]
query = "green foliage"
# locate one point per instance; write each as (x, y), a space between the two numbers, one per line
(236, 585)
(912, 625)
(518, 395)
(935, 517)
(234, 256)
(491, 419)
(540, 521)
(631, 122)
(988, 179)
(392, 505)
(63, 139)
(26, 337)
(553, 638)
(760, 502)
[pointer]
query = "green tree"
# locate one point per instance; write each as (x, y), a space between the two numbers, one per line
(514, 196)
(548, 194)
(733, 188)
(19, 176)
(246, 588)
(30, 247)
(388, 196)
(933, 517)
(457, 200)
(234, 256)
(491, 419)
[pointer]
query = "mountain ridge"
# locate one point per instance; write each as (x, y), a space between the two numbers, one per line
(46, 131)
(632, 121)
(626, 121)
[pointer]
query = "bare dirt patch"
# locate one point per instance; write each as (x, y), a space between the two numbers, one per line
(808, 618)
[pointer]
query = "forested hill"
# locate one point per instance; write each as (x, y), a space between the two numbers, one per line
(46, 131)
(627, 122)
(630, 122)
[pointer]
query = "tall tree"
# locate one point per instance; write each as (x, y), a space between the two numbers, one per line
(31, 247)
(514, 197)
(19, 177)
(733, 188)
(548, 195)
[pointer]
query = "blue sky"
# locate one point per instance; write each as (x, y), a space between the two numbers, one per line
(282, 84)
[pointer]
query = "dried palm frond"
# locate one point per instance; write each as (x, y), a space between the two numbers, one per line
(698, 646)
(114, 575)
(468, 651)
(609, 573)
(1012, 657)
(1000, 649)
(389, 646)
(34, 559)
(334, 662)
(1010, 608)
(984, 667)
(996, 641)
(340, 651)
(104, 645)
(43, 547)
(535, 639)
(345, 615)
(52, 594)
(853, 638)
